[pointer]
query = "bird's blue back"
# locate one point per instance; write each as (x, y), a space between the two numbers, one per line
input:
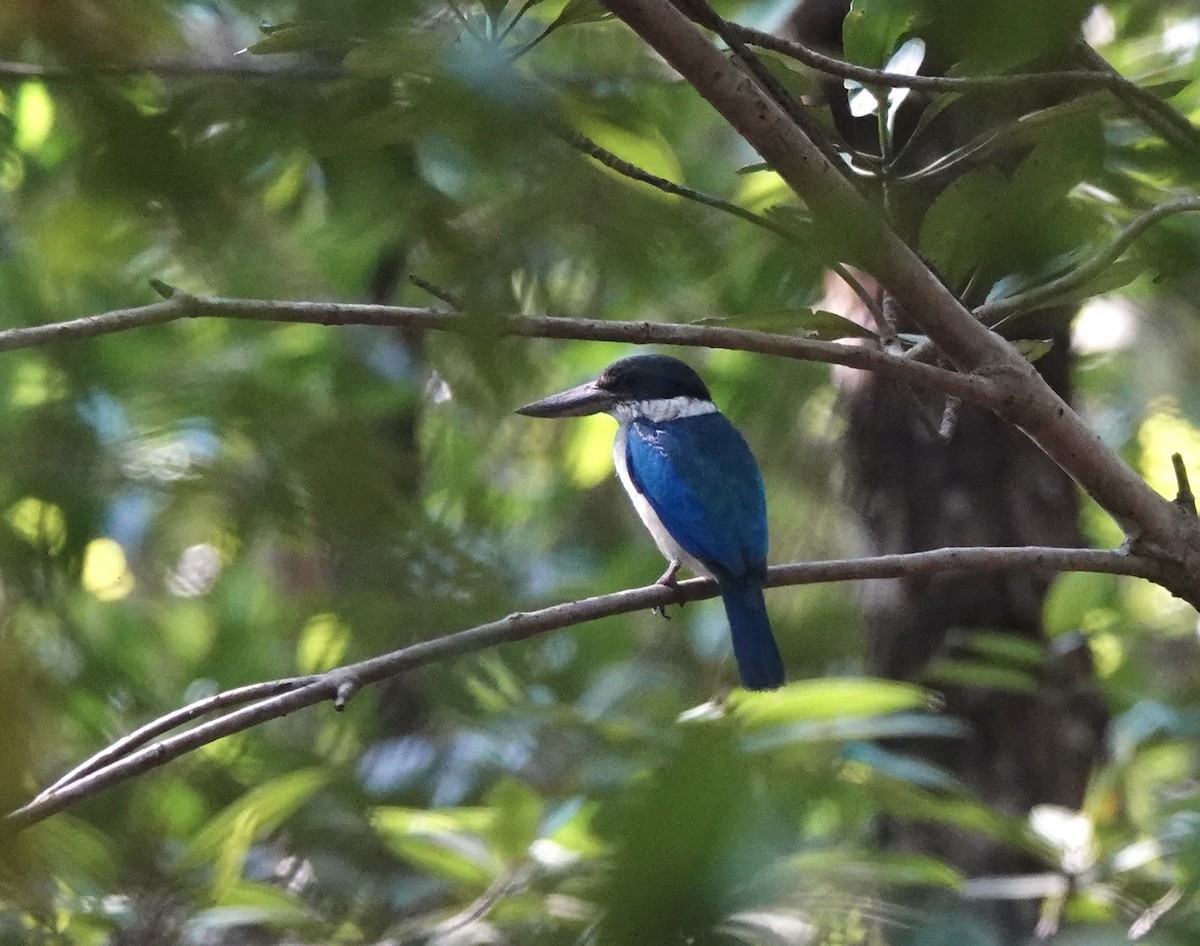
(700, 478)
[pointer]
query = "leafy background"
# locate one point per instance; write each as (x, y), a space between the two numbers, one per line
(204, 504)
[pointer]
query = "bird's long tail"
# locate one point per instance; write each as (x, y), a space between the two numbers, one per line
(758, 660)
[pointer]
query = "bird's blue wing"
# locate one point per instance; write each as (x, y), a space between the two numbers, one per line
(701, 479)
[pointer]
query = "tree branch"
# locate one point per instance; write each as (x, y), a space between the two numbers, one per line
(1152, 110)
(181, 305)
(244, 67)
(164, 724)
(635, 173)
(130, 757)
(863, 237)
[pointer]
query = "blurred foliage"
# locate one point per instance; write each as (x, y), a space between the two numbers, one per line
(200, 505)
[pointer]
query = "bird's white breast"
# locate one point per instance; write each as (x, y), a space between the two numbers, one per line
(657, 411)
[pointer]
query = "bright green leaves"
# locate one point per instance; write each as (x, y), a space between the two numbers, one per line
(448, 844)
(466, 848)
(224, 842)
(994, 660)
(825, 699)
(518, 812)
(674, 838)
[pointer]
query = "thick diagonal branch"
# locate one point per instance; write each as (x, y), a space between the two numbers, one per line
(865, 238)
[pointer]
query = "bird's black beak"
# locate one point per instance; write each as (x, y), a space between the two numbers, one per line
(587, 398)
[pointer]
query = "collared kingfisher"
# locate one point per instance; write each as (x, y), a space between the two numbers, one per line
(696, 486)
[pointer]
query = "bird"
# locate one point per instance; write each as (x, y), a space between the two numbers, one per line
(696, 486)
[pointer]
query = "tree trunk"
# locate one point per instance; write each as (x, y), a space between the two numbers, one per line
(924, 477)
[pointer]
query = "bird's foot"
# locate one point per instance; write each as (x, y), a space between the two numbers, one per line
(667, 580)
(668, 577)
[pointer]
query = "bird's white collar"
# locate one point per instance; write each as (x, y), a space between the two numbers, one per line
(662, 409)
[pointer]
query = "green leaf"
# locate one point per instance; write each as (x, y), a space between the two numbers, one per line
(897, 765)
(68, 848)
(788, 73)
(397, 822)
(807, 323)
(873, 868)
(1076, 596)
(1014, 648)
(257, 813)
(960, 227)
(575, 12)
(1112, 277)
(671, 833)
(289, 39)
(518, 811)
(1072, 150)
(825, 699)
(445, 843)
(261, 904)
(644, 147)
(873, 29)
(1033, 348)
(975, 673)
(462, 862)
(849, 729)
(1167, 89)
(906, 800)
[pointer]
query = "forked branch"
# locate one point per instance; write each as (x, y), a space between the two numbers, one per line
(136, 753)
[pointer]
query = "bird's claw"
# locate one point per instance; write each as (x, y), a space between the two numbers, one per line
(667, 580)
(668, 577)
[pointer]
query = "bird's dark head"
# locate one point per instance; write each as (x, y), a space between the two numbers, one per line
(634, 380)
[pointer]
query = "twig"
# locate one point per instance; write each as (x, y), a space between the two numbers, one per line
(1157, 910)
(1145, 104)
(635, 173)
(702, 12)
(949, 418)
(239, 68)
(886, 330)
(1184, 497)
(993, 313)
(445, 295)
(184, 306)
(521, 626)
(831, 65)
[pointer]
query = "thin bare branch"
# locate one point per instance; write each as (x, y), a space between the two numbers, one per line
(1147, 106)
(242, 67)
(632, 171)
(184, 306)
(635, 173)
(302, 692)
